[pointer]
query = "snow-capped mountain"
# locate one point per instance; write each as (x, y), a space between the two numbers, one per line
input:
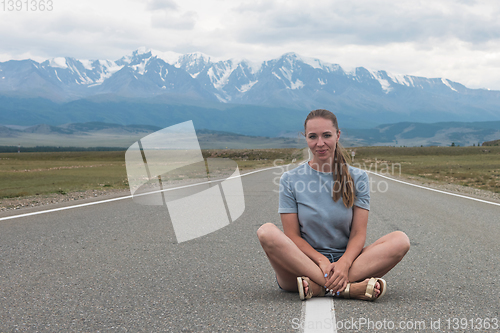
(146, 73)
(290, 81)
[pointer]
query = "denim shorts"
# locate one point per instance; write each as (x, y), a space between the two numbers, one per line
(333, 257)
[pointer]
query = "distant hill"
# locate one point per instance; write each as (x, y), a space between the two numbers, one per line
(416, 134)
(243, 119)
(492, 143)
(99, 134)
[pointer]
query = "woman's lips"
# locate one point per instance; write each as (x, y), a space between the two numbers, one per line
(321, 151)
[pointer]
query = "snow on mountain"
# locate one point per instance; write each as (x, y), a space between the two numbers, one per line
(253, 66)
(287, 81)
(106, 69)
(401, 79)
(140, 67)
(314, 63)
(384, 83)
(70, 71)
(223, 77)
(169, 57)
(87, 64)
(219, 73)
(246, 87)
(447, 83)
(58, 63)
(193, 63)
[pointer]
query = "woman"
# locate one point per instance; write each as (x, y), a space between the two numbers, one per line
(324, 208)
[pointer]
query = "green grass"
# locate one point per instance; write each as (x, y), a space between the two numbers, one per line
(42, 173)
(28, 174)
(477, 167)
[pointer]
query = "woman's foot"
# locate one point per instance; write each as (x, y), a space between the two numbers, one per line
(358, 290)
(308, 288)
(368, 290)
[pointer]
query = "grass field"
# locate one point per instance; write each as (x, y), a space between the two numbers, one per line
(29, 174)
(477, 167)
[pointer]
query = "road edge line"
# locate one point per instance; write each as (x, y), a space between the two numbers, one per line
(435, 190)
(52, 210)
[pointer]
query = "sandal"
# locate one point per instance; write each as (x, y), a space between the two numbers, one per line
(309, 294)
(370, 288)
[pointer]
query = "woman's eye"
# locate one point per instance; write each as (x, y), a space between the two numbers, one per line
(327, 135)
(312, 136)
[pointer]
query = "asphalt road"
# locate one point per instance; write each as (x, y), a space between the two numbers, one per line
(117, 267)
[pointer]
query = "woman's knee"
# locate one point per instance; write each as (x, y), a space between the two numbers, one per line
(267, 233)
(401, 242)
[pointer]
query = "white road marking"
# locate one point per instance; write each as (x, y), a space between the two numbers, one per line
(432, 189)
(125, 197)
(319, 315)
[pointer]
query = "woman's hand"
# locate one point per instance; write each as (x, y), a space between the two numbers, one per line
(337, 278)
(325, 267)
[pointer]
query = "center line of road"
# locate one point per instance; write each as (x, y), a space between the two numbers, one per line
(319, 315)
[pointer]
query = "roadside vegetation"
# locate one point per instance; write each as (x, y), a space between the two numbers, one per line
(31, 174)
(477, 167)
(492, 143)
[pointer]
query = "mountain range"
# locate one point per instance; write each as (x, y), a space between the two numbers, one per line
(97, 134)
(269, 98)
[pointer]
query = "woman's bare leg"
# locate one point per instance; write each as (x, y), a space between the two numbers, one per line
(288, 260)
(376, 260)
(380, 257)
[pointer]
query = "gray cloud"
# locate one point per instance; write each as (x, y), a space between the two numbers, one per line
(368, 22)
(167, 15)
(168, 20)
(162, 4)
(70, 35)
(255, 6)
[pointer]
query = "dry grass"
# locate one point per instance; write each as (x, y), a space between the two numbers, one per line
(477, 167)
(29, 174)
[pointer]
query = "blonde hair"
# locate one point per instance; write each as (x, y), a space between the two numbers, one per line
(343, 184)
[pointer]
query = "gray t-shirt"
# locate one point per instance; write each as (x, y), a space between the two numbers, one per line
(324, 223)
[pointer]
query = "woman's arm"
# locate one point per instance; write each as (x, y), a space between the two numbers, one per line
(339, 279)
(357, 237)
(291, 229)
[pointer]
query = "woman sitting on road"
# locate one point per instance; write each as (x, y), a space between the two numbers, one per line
(324, 208)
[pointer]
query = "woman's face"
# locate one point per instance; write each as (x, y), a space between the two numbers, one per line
(322, 138)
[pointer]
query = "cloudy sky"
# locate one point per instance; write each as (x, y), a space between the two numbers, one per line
(455, 39)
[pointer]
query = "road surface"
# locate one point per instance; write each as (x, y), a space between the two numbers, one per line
(116, 267)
